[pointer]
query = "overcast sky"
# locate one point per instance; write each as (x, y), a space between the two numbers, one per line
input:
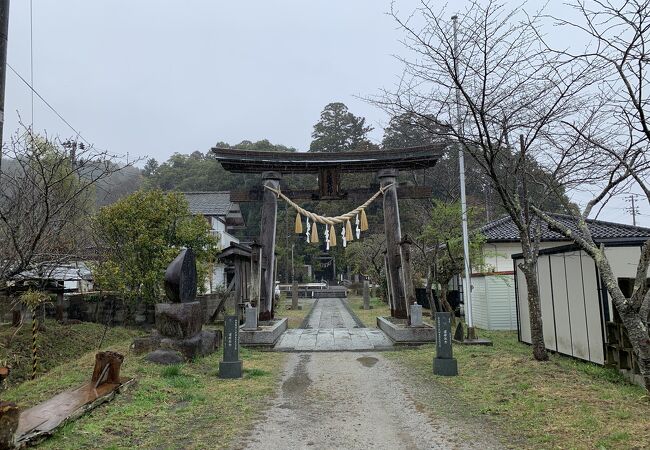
(150, 78)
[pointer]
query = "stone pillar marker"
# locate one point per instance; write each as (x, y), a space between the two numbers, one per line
(444, 363)
(366, 295)
(231, 366)
(251, 319)
(294, 297)
(416, 315)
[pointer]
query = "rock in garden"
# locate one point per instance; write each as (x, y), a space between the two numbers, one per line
(179, 320)
(145, 344)
(166, 357)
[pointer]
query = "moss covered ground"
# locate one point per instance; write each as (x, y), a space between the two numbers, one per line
(184, 406)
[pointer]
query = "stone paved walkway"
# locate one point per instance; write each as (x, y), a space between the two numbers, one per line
(333, 339)
(331, 313)
(331, 327)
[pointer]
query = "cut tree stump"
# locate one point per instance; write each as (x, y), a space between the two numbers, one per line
(9, 416)
(107, 368)
(4, 373)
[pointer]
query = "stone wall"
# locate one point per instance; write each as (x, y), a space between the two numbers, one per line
(92, 308)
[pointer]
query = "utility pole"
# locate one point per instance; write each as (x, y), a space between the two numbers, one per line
(4, 32)
(633, 210)
(467, 294)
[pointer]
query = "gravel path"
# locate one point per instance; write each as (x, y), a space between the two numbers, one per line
(350, 401)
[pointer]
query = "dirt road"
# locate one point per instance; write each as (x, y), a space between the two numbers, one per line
(351, 401)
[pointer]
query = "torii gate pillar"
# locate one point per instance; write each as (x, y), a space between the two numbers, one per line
(267, 239)
(398, 304)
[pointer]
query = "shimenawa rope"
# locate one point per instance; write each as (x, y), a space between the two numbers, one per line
(329, 220)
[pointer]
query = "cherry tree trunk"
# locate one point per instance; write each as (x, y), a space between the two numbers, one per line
(636, 328)
(535, 313)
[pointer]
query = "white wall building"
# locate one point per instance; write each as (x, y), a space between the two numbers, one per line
(578, 316)
(493, 286)
(224, 217)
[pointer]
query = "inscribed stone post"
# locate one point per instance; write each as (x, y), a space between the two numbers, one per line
(416, 315)
(231, 366)
(251, 319)
(444, 362)
(366, 295)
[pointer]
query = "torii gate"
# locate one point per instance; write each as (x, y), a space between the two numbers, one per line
(329, 166)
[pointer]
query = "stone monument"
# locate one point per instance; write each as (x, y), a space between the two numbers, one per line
(366, 295)
(444, 362)
(250, 318)
(416, 315)
(294, 297)
(179, 334)
(231, 366)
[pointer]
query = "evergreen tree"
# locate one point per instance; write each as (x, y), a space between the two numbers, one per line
(338, 130)
(409, 130)
(150, 167)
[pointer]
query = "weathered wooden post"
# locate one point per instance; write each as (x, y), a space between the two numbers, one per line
(407, 278)
(256, 274)
(399, 308)
(267, 239)
(60, 308)
(294, 297)
(389, 292)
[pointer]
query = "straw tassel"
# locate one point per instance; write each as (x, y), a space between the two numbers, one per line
(298, 223)
(348, 232)
(332, 236)
(314, 234)
(364, 220)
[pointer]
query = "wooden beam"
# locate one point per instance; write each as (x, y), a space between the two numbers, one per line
(356, 194)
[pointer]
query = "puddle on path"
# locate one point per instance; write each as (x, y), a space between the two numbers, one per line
(299, 381)
(367, 361)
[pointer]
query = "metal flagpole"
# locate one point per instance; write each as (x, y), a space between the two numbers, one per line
(467, 294)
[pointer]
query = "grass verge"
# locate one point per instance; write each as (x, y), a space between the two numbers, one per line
(295, 316)
(562, 403)
(183, 406)
(379, 308)
(57, 344)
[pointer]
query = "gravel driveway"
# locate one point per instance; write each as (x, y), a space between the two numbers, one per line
(351, 401)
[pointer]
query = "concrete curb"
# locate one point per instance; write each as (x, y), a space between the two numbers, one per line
(305, 321)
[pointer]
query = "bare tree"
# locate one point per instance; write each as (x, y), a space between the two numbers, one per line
(366, 257)
(616, 127)
(46, 196)
(500, 93)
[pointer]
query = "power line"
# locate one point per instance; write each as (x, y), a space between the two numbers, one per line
(35, 92)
